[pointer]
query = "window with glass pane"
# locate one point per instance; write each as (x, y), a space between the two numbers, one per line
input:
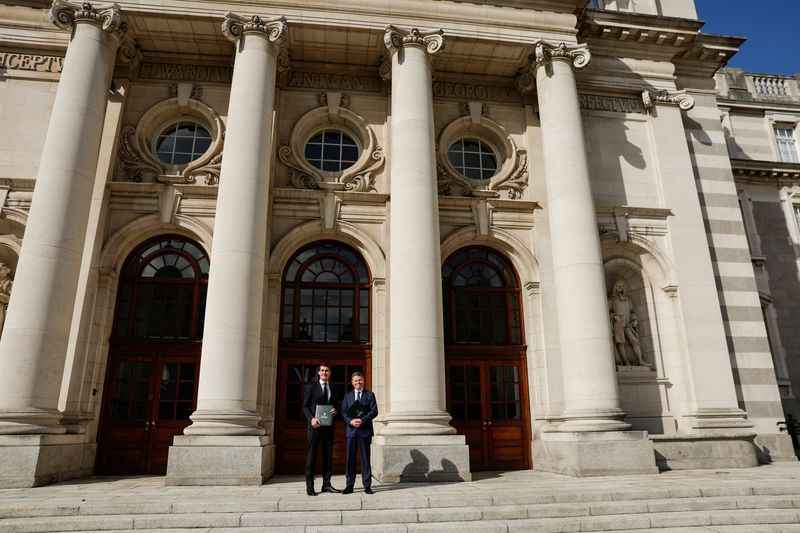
(787, 144)
(162, 291)
(332, 150)
(473, 158)
(326, 296)
(481, 299)
(182, 143)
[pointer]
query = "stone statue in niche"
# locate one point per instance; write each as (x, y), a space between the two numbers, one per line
(624, 327)
(5, 292)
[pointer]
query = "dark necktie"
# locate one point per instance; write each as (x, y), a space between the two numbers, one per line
(325, 391)
(358, 395)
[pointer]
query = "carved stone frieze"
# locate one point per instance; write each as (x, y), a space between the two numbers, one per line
(235, 26)
(679, 98)
(396, 38)
(31, 62)
(65, 14)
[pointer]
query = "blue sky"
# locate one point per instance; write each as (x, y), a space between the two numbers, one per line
(771, 28)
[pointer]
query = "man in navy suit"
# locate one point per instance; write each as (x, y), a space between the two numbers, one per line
(321, 393)
(359, 432)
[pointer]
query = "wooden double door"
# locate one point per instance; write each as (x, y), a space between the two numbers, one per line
(150, 394)
(488, 400)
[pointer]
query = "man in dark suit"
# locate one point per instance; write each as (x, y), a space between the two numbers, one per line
(318, 435)
(359, 432)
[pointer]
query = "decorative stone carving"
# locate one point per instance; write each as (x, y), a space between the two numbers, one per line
(360, 176)
(624, 327)
(344, 99)
(235, 26)
(473, 108)
(678, 98)
(511, 177)
(395, 39)
(64, 14)
(194, 92)
(5, 292)
(544, 53)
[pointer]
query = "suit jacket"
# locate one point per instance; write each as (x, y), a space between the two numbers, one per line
(313, 397)
(368, 399)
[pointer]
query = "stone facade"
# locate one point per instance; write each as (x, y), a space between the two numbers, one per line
(200, 204)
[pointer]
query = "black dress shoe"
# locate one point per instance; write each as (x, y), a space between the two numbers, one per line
(368, 490)
(331, 490)
(348, 489)
(310, 491)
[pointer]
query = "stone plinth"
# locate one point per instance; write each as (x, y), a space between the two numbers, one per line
(420, 458)
(220, 460)
(602, 453)
(35, 460)
(689, 452)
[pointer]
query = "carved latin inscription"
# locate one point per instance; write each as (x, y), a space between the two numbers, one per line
(611, 103)
(335, 82)
(34, 62)
(475, 92)
(171, 71)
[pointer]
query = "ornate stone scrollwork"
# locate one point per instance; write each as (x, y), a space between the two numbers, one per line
(358, 177)
(511, 176)
(235, 26)
(136, 167)
(395, 39)
(344, 99)
(679, 98)
(545, 52)
(64, 14)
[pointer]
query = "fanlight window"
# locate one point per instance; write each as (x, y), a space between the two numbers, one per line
(326, 296)
(162, 291)
(481, 299)
(182, 143)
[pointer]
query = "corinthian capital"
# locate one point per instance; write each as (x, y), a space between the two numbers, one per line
(395, 39)
(545, 52)
(65, 14)
(678, 98)
(235, 26)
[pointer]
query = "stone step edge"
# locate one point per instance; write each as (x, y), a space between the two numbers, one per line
(739, 517)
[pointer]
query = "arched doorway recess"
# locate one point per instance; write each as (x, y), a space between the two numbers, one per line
(487, 386)
(325, 317)
(154, 355)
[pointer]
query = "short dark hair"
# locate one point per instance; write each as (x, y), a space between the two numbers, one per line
(326, 365)
(356, 374)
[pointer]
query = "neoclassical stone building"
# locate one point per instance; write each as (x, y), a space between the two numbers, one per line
(518, 218)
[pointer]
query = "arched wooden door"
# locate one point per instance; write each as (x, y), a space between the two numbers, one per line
(154, 356)
(487, 386)
(325, 317)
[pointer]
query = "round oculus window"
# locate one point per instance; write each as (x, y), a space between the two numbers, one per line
(473, 158)
(332, 151)
(182, 143)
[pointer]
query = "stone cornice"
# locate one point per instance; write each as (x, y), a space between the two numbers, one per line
(638, 29)
(65, 14)
(395, 38)
(235, 26)
(766, 171)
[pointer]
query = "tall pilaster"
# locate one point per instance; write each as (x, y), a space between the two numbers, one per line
(225, 443)
(417, 420)
(591, 399)
(36, 334)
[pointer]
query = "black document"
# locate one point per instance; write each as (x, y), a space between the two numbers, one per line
(356, 409)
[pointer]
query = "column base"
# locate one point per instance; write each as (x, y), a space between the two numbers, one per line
(31, 421)
(420, 458)
(35, 460)
(689, 452)
(597, 453)
(224, 423)
(220, 460)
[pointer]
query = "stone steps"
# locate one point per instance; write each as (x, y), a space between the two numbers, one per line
(761, 507)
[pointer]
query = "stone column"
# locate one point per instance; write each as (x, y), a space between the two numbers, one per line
(591, 399)
(417, 420)
(34, 341)
(225, 443)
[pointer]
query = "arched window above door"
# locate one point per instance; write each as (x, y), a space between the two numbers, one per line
(326, 296)
(481, 299)
(162, 291)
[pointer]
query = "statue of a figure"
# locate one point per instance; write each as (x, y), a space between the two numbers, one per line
(5, 292)
(624, 327)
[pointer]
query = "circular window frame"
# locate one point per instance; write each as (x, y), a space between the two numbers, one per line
(159, 131)
(487, 144)
(358, 177)
(511, 162)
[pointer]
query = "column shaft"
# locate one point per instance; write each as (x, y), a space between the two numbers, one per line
(34, 342)
(590, 387)
(227, 393)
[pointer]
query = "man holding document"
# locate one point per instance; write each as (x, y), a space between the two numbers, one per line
(318, 408)
(358, 409)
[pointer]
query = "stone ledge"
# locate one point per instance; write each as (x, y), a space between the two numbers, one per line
(689, 452)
